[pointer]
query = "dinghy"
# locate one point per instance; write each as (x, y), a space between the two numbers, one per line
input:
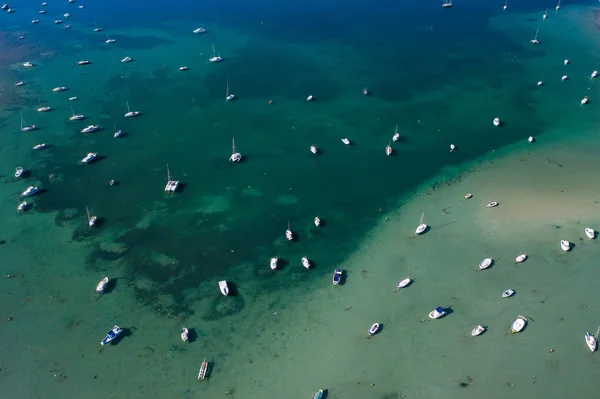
(492, 204)
(508, 293)
(102, 285)
(346, 141)
(422, 226)
(223, 287)
(477, 331)
(437, 313)
(518, 325)
(565, 245)
(318, 394)
(317, 221)
(337, 276)
(484, 264)
(521, 258)
(590, 341)
(403, 283)
(184, 334)
(588, 232)
(313, 149)
(374, 328)
(496, 122)
(305, 262)
(273, 263)
(112, 335)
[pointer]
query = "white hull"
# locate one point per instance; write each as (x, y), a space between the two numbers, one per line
(508, 293)
(492, 204)
(477, 331)
(435, 314)
(313, 149)
(590, 233)
(289, 235)
(317, 221)
(184, 334)
(590, 341)
(496, 122)
(518, 325)
(223, 287)
(102, 285)
(273, 263)
(309, 98)
(92, 221)
(374, 328)
(565, 245)
(422, 227)
(346, 141)
(484, 264)
(388, 150)
(404, 283)
(521, 258)
(306, 262)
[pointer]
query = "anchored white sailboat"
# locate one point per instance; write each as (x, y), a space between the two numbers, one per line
(388, 150)
(396, 135)
(224, 287)
(91, 219)
(76, 117)
(447, 3)
(25, 127)
(228, 95)
(422, 226)
(130, 113)
(235, 156)
(545, 15)
(288, 233)
(215, 57)
(592, 340)
(172, 185)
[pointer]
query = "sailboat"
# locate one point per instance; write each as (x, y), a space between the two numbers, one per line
(388, 150)
(215, 58)
(396, 136)
(535, 39)
(172, 185)
(130, 113)
(558, 6)
(545, 15)
(76, 117)
(505, 5)
(109, 41)
(422, 226)
(447, 3)
(91, 219)
(42, 108)
(25, 127)
(288, 233)
(235, 156)
(592, 340)
(229, 96)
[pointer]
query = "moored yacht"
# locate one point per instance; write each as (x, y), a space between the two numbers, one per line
(84, 62)
(4, 7)
(28, 64)
(109, 41)
(403, 283)
(117, 133)
(337, 276)
(42, 12)
(235, 156)
(452, 147)
(491, 204)
(545, 15)
(565, 245)
(519, 324)
(565, 77)
(422, 226)
(224, 287)
(91, 219)
(184, 334)
(19, 171)
(447, 3)
(57, 21)
(273, 263)
(31, 190)
(594, 74)
(484, 264)
(366, 91)
(130, 113)
(59, 89)
(521, 258)
(396, 135)
(310, 98)
(314, 149)
(43, 109)
(172, 185)
(98, 29)
(229, 96)
(102, 285)
(317, 221)
(591, 341)
(531, 139)
(508, 293)
(305, 262)
(67, 15)
(437, 313)
(40, 146)
(590, 233)
(496, 122)
(374, 328)
(35, 21)
(477, 330)
(112, 335)
(126, 59)
(558, 6)
(288, 233)
(19, 83)
(72, 98)
(22, 206)
(215, 57)
(388, 150)
(535, 38)
(182, 68)
(199, 30)
(90, 129)
(76, 117)
(25, 127)
(89, 158)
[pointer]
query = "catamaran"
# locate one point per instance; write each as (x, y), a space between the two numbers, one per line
(396, 135)
(422, 226)
(229, 96)
(535, 39)
(215, 58)
(288, 233)
(91, 219)
(235, 156)
(89, 158)
(130, 113)
(172, 185)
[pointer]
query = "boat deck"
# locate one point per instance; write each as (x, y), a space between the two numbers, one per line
(171, 186)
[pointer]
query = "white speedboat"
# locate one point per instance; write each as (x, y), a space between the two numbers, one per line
(310, 98)
(215, 57)
(182, 68)
(531, 139)
(496, 122)
(591, 233)
(540, 83)
(313, 149)
(229, 96)
(19, 172)
(98, 29)
(565, 245)
(19, 83)
(594, 74)
(223, 287)
(403, 283)
(388, 150)
(337, 276)
(492, 204)
(564, 77)
(112, 335)
(437, 313)
(72, 98)
(346, 141)
(199, 30)
(535, 39)
(518, 325)
(130, 113)
(508, 293)
(184, 334)
(91, 219)
(288, 233)
(126, 59)
(4, 7)
(452, 147)
(40, 146)
(90, 129)
(273, 263)
(422, 226)
(305, 262)
(110, 41)
(521, 258)
(89, 158)
(584, 100)
(57, 21)
(59, 89)
(43, 109)
(102, 285)
(590, 341)
(484, 264)
(317, 221)
(235, 156)
(477, 330)
(28, 64)
(117, 133)
(22, 206)
(31, 190)
(566, 62)
(35, 21)
(84, 62)
(374, 328)
(396, 135)
(172, 185)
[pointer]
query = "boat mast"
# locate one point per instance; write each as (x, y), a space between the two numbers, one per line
(597, 333)
(21, 121)
(168, 174)
(213, 51)
(128, 110)
(233, 145)
(88, 213)
(227, 92)
(421, 221)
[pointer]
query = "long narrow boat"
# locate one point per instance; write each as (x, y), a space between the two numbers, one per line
(203, 370)
(318, 394)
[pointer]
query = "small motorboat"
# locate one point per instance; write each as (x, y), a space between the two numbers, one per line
(22, 206)
(584, 100)
(521, 258)
(508, 293)
(31, 190)
(492, 204)
(42, 12)
(89, 158)
(540, 83)
(531, 139)
(199, 30)
(305, 262)
(112, 335)
(40, 146)
(366, 91)
(437, 313)
(4, 7)
(346, 141)
(309, 98)
(496, 122)
(117, 134)
(594, 74)
(84, 62)
(288, 233)
(590, 341)
(110, 41)
(28, 64)
(374, 328)
(318, 394)
(484, 264)
(19, 171)
(388, 150)
(59, 89)
(403, 283)
(43, 109)
(72, 98)
(317, 221)
(182, 68)
(203, 370)
(314, 149)
(184, 334)
(102, 285)
(67, 15)
(57, 21)
(477, 330)
(422, 226)
(90, 129)
(126, 59)
(519, 324)
(19, 83)
(35, 21)
(566, 62)
(468, 195)
(223, 287)
(273, 263)
(591, 233)
(337, 276)
(565, 245)
(565, 77)
(452, 147)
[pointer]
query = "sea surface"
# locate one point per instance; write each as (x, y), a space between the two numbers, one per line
(441, 75)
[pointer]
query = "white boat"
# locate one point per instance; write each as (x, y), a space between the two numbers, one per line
(130, 113)
(19, 83)
(67, 15)
(508, 293)
(19, 172)
(98, 29)
(477, 330)
(590, 341)
(43, 109)
(310, 98)
(31, 190)
(594, 74)
(84, 62)
(505, 5)
(59, 89)
(57, 21)
(496, 122)
(72, 98)
(313, 149)
(535, 39)
(565, 245)
(484, 264)
(223, 287)
(184, 334)
(346, 141)
(317, 221)
(126, 59)
(273, 263)
(518, 325)
(305, 262)
(388, 150)
(203, 370)
(396, 135)
(545, 15)
(40, 146)
(288, 233)
(565, 77)
(584, 100)
(229, 96)
(491, 204)
(76, 117)
(403, 283)
(4, 7)
(447, 3)
(117, 133)
(531, 139)
(42, 12)
(199, 30)
(235, 156)
(91, 219)
(90, 129)
(366, 91)
(422, 226)
(109, 41)
(22, 206)
(337, 276)
(89, 158)
(112, 335)
(540, 83)
(172, 185)
(452, 147)
(591, 233)
(521, 258)
(566, 62)
(102, 285)
(437, 313)
(182, 68)
(28, 64)
(558, 6)
(35, 21)
(374, 328)
(215, 57)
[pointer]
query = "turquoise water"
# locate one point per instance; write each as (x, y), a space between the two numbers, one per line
(440, 75)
